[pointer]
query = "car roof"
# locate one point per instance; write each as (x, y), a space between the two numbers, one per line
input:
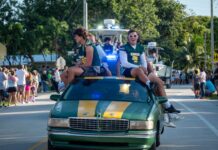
(109, 77)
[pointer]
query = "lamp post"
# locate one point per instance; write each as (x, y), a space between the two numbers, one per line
(85, 14)
(205, 50)
(212, 36)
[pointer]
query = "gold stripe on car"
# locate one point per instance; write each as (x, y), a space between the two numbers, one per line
(86, 108)
(116, 109)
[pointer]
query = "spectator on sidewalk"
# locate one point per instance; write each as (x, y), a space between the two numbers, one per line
(12, 87)
(216, 78)
(21, 74)
(209, 88)
(202, 82)
(3, 80)
(196, 84)
(45, 81)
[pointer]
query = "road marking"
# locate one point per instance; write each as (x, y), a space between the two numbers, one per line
(209, 125)
(24, 112)
(39, 143)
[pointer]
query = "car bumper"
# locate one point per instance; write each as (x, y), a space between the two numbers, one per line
(106, 141)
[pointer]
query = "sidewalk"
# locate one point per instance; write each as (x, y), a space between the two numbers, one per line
(41, 99)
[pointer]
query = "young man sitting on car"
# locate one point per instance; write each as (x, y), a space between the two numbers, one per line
(133, 61)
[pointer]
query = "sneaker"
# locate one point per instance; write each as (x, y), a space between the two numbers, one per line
(175, 117)
(171, 109)
(169, 124)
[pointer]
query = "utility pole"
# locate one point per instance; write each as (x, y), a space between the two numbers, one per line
(85, 14)
(205, 50)
(212, 36)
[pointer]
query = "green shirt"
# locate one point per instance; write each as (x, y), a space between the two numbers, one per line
(133, 55)
(82, 55)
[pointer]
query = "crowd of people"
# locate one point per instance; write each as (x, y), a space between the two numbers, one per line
(18, 85)
(204, 84)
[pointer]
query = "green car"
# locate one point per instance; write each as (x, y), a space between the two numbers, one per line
(105, 113)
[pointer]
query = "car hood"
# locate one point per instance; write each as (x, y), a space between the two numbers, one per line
(102, 109)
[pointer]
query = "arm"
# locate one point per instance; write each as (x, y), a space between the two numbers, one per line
(124, 62)
(89, 56)
(143, 60)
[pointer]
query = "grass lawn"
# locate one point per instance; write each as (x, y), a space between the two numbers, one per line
(213, 97)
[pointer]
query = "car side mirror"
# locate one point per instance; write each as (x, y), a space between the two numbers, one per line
(55, 97)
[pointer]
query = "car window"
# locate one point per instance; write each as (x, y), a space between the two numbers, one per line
(106, 90)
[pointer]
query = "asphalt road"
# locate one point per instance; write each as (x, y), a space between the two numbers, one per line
(23, 127)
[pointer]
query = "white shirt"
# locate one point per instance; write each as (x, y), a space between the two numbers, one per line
(101, 52)
(21, 75)
(203, 76)
(57, 76)
(124, 62)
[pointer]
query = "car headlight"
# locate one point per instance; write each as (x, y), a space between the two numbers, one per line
(141, 125)
(58, 122)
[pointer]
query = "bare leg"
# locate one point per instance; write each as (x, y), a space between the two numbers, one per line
(69, 75)
(159, 91)
(138, 72)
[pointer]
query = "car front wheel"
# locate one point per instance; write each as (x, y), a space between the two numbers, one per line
(50, 147)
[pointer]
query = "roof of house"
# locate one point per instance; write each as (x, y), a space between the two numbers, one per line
(17, 60)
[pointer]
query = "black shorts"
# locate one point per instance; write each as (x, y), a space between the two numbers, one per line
(197, 86)
(127, 72)
(88, 71)
(11, 89)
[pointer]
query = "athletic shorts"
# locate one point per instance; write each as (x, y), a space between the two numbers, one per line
(127, 72)
(88, 71)
(11, 89)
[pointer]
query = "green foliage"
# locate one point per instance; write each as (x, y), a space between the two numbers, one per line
(138, 15)
(45, 26)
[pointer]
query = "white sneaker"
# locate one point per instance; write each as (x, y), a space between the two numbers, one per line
(167, 121)
(175, 117)
(169, 124)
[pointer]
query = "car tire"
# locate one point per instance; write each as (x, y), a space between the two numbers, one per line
(153, 147)
(50, 147)
(158, 135)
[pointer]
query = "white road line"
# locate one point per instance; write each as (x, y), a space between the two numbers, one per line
(209, 125)
(24, 112)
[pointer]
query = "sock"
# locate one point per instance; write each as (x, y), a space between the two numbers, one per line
(167, 104)
(148, 83)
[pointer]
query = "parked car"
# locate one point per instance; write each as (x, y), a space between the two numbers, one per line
(105, 113)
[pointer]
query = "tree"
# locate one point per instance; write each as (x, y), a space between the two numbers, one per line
(136, 15)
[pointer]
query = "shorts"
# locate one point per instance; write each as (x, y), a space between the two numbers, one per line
(197, 86)
(12, 89)
(20, 88)
(27, 88)
(127, 72)
(88, 71)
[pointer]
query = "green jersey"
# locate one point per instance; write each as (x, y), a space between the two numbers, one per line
(82, 55)
(133, 55)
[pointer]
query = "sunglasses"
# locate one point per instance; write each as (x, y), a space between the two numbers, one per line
(133, 36)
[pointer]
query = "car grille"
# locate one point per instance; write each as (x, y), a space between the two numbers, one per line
(97, 124)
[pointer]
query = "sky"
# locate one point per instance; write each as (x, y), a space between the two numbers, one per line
(200, 7)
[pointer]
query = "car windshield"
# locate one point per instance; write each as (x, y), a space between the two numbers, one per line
(106, 90)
